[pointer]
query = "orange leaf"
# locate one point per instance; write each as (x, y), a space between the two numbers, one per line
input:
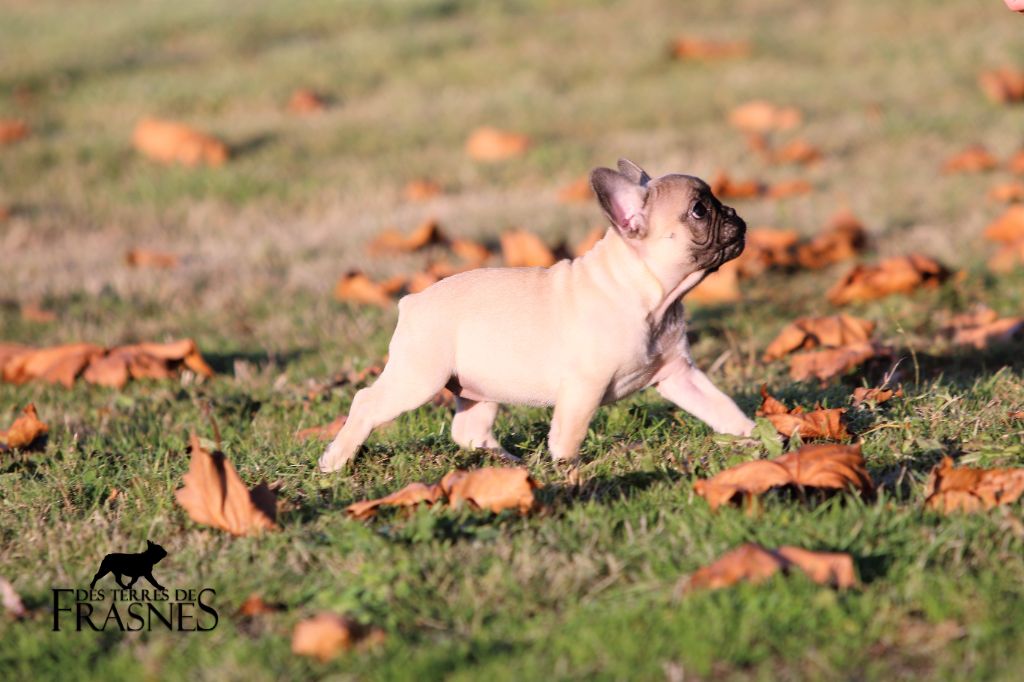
(811, 332)
(825, 364)
(25, 430)
(145, 258)
(966, 489)
(588, 242)
(522, 249)
(576, 191)
(1007, 228)
(700, 49)
(767, 248)
(326, 432)
(12, 130)
(58, 364)
(173, 142)
(306, 101)
(974, 159)
(470, 251)
(1003, 86)
(875, 395)
(356, 287)
(724, 187)
(491, 144)
(409, 496)
(420, 281)
(796, 152)
(1008, 192)
(1016, 162)
(844, 237)
(32, 312)
(428, 232)
(891, 276)
(789, 188)
(255, 606)
(421, 190)
(759, 116)
(326, 635)
(754, 564)
(818, 423)
(1008, 257)
(982, 327)
(719, 287)
(214, 495)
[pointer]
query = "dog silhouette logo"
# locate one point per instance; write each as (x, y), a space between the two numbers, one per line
(134, 566)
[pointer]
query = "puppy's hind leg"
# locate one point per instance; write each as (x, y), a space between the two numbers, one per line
(472, 427)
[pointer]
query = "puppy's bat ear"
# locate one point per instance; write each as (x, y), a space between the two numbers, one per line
(634, 172)
(622, 200)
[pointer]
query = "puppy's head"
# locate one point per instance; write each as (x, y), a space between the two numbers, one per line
(155, 551)
(674, 217)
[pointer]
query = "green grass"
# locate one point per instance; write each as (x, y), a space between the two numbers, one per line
(586, 589)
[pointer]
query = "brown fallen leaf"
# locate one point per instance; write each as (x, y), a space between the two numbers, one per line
(805, 333)
(522, 249)
(876, 395)
(1003, 85)
(214, 495)
(796, 152)
(1007, 228)
(898, 275)
(12, 130)
(967, 489)
(146, 361)
(973, 159)
(576, 191)
(490, 144)
(421, 190)
(326, 635)
(843, 238)
(701, 49)
(789, 188)
(759, 116)
(254, 605)
(24, 431)
(1016, 163)
(827, 467)
(754, 564)
(420, 281)
(11, 600)
(173, 142)
(33, 312)
(725, 187)
(426, 233)
(1017, 415)
(719, 287)
(983, 326)
(470, 251)
(325, 432)
(1007, 192)
(146, 258)
(306, 101)
(831, 362)
(492, 488)
(588, 242)
(57, 364)
(355, 287)
(767, 248)
(818, 423)
(1008, 257)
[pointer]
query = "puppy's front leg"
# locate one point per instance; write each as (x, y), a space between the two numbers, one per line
(574, 408)
(690, 389)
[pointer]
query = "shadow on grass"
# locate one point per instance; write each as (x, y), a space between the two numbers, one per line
(224, 363)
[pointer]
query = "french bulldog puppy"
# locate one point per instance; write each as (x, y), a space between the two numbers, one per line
(577, 335)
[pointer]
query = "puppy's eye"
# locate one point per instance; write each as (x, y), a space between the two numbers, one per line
(699, 210)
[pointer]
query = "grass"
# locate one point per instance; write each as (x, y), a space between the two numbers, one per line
(587, 589)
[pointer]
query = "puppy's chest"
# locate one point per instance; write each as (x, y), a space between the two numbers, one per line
(662, 345)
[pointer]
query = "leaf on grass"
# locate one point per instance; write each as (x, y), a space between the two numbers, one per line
(789, 188)
(326, 635)
(898, 275)
(827, 467)
(1008, 257)
(325, 432)
(173, 142)
(700, 49)
(492, 488)
(57, 364)
(12, 130)
(795, 152)
(722, 286)
(983, 326)
(146, 361)
(805, 333)
(973, 159)
(1007, 192)
(24, 431)
(818, 423)
(1007, 228)
(1016, 163)
(306, 101)
(767, 248)
(146, 258)
(576, 191)
(470, 251)
(427, 233)
(11, 600)
(520, 249)
(214, 495)
(588, 242)
(254, 605)
(878, 395)
(355, 287)
(967, 489)
(725, 187)
(843, 238)
(754, 564)
(831, 362)
(421, 190)
(1002, 86)
(33, 312)
(759, 116)
(491, 144)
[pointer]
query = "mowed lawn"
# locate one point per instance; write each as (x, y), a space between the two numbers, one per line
(586, 589)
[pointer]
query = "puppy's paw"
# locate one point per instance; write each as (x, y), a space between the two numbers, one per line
(332, 461)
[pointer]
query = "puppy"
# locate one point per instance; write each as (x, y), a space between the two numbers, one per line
(578, 335)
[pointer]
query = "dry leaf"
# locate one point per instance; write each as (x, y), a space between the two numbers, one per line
(843, 238)
(10, 599)
(789, 188)
(409, 496)
(966, 489)
(12, 130)
(255, 606)
(421, 190)
(831, 362)
(146, 361)
(982, 327)
(1008, 192)
(1008, 257)
(577, 191)
(32, 312)
(58, 364)
(1007, 228)
(759, 116)
(724, 187)
(25, 430)
(145, 258)
(214, 495)
(796, 152)
(470, 251)
(767, 248)
(356, 287)
(173, 142)
(1016, 162)
(522, 249)
(826, 467)
(420, 281)
(326, 432)
(892, 276)
(1003, 86)
(722, 286)
(306, 101)
(974, 159)
(491, 144)
(876, 395)
(818, 423)
(326, 635)
(426, 233)
(806, 333)
(754, 564)
(700, 49)
(588, 242)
